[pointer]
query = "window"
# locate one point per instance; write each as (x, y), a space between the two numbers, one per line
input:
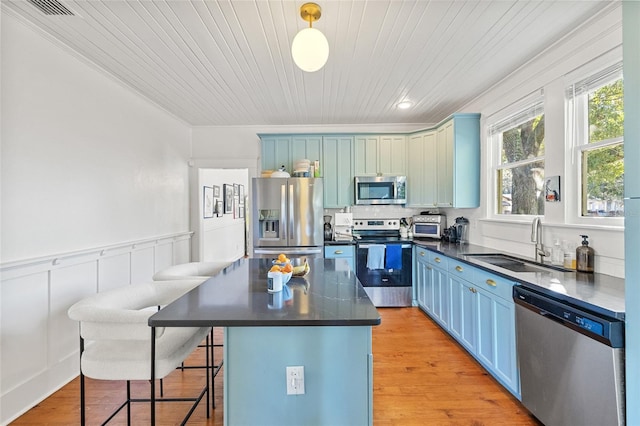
(519, 170)
(595, 107)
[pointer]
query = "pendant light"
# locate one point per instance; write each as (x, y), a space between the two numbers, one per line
(310, 48)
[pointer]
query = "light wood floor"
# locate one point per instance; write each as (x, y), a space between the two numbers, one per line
(421, 377)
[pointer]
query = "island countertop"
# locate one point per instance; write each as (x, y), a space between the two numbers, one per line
(329, 295)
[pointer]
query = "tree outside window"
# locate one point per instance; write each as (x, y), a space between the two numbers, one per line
(520, 174)
(602, 157)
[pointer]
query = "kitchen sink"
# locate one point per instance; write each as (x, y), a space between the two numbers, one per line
(515, 264)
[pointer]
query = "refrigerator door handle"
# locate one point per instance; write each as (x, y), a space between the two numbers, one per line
(291, 227)
(283, 212)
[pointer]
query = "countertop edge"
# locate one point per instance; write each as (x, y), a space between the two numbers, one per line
(270, 323)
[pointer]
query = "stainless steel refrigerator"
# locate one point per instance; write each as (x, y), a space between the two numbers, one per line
(287, 217)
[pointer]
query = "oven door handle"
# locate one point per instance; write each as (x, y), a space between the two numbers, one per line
(404, 246)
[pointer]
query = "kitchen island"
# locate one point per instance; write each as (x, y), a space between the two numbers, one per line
(321, 321)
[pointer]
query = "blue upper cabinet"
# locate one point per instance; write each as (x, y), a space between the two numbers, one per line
(380, 155)
(286, 150)
(275, 152)
(422, 169)
(366, 155)
(337, 171)
(458, 155)
(306, 147)
(442, 165)
(392, 155)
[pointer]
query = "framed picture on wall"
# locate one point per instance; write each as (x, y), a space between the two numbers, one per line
(216, 191)
(219, 208)
(236, 207)
(208, 202)
(228, 198)
(241, 192)
(236, 189)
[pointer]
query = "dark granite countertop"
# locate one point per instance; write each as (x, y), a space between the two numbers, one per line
(329, 295)
(600, 293)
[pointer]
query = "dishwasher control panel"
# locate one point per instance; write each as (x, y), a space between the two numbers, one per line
(607, 330)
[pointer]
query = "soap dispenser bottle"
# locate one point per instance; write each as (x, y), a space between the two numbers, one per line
(584, 256)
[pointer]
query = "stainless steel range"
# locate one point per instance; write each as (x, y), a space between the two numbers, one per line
(383, 261)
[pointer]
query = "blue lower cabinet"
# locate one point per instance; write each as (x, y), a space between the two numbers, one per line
(496, 348)
(422, 280)
(463, 324)
(346, 251)
(475, 307)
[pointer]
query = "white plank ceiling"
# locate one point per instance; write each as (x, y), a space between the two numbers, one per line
(229, 62)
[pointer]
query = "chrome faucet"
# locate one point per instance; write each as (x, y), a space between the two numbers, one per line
(536, 237)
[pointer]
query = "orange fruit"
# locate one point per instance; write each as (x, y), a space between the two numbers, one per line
(275, 268)
(287, 268)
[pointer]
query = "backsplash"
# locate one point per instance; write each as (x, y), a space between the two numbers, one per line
(382, 212)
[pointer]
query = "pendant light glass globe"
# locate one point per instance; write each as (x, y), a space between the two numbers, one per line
(310, 50)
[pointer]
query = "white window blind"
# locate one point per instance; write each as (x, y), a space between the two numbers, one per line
(595, 81)
(522, 116)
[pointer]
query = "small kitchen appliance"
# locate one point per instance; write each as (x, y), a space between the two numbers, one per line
(344, 227)
(429, 226)
(328, 230)
(462, 230)
(383, 261)
(380, 190)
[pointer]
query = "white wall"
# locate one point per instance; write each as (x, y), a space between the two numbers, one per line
(94, 185)
(222, 238)
(85, 161)
(600, 40)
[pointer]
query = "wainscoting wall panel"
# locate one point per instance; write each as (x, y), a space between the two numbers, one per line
(40, 347)
(67, 285)
(24, 302)
(114, 271)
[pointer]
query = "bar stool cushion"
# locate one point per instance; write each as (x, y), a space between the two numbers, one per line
(115, 325)
(192, 270)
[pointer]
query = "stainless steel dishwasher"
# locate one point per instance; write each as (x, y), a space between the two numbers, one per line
(571, 362)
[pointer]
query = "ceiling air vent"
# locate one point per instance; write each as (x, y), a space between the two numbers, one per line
(51, 7)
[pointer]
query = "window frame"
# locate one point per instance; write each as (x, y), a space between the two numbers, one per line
(577, 142)
(513, 115)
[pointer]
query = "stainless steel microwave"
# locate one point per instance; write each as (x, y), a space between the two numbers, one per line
(380, 190)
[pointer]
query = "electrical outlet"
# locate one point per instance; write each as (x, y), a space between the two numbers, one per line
(295, 380)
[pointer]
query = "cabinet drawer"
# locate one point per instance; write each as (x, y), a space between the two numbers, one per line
(438, 260)
(422, 254)
(494, 284)
(332, 252)
(461, 270)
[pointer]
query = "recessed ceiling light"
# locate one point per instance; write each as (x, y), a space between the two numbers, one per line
(404, 105)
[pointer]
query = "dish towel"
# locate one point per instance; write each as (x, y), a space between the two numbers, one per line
(375, 256)
(394, 257)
